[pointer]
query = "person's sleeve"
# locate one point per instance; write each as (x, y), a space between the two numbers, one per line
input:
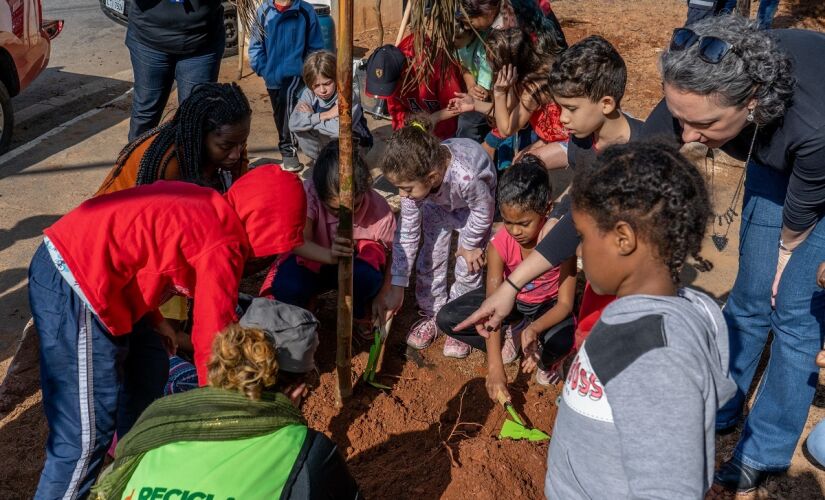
(405, 246)
(662, 126)
(805, 198)
(320, 472)
(561, 242)
(316, 38)
(397, 112)
(661, 425)
(330, 127)
(300, 121)
(482, 206)
(257, 50)
(217, 276)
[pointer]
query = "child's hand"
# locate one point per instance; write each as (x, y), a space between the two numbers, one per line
(330, 114)
(820, 275)
(479, 93)
(474, 258)
(303, 107)
(505, 79)
(820, 359)
(341, 247)
(388, 302)
(496, 383)
(463, 103)
(530, 348)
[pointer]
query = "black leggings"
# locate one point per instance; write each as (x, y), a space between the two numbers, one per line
(554, 342)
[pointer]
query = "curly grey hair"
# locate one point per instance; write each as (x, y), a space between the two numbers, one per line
(758, 69)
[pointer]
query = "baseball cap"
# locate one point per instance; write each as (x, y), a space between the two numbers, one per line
(272, 206)
(292, 329)
(384, 69)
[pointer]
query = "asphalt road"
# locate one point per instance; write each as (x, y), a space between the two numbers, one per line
(89, 65)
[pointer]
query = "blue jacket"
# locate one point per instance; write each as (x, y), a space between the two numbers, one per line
(288, 38)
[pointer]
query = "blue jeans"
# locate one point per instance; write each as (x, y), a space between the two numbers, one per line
(297, 285)
(154, 71)
(764, 16)
(787, 388)
(93, 383)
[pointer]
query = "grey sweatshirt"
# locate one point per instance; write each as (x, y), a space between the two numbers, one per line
(303, 122)
(636, 417)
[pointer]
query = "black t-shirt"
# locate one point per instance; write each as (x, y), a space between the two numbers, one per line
(320, 472)
(795, 143)
(177, 28)
(561, 242)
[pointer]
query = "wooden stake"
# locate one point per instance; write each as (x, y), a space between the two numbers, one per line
(343, 358)
(241, 42)
(380, 20)
(404, 22)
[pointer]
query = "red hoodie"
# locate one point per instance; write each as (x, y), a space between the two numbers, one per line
(131, 250)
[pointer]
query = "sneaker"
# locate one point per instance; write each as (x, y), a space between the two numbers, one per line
(735, 476)
(547, 377)
(456, 349)
(422, 333)
(512, 345)
(291, 164)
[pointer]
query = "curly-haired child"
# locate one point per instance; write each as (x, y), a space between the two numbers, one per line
(636, 417)
(444, 186)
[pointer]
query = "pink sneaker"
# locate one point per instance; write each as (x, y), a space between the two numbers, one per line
(456, 349)
(547, 377)
(508, 349)
(422, 333)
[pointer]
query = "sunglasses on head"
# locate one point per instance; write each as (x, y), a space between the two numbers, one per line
(711, 49)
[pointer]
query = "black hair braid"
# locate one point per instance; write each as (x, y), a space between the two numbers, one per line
(209, 107)
(652, 187)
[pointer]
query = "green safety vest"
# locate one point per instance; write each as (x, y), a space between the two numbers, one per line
(253, 468)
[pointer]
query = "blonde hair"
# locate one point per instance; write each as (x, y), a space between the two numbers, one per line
(243, 360)
(318, 64)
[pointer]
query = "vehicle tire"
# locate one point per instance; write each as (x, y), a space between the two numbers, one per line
(6, 119)
(230, 24)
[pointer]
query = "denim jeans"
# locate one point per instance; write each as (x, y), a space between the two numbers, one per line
(764, 16)
(154, 71)
(93, 383)
(780, 409)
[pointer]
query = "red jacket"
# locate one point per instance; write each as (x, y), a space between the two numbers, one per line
(130, 251)
(426, 97)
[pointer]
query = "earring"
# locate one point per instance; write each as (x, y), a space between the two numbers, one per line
(750, 116)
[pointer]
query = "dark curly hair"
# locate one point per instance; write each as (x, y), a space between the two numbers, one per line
(652, 187)
(325, 176)
(413, 151)
(526, 185)
(591, 67)
(758, 69)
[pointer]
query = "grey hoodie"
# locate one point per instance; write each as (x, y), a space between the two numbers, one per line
(305, 122)
(636, 416)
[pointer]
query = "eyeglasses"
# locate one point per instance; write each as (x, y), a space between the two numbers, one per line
(711, 49)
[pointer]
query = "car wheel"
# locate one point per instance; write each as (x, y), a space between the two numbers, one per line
(230, 24)
(6, 119)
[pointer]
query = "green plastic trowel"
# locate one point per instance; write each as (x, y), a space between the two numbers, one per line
(374, 362)
(515, 429)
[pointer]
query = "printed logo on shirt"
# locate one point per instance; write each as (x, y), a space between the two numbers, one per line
(583, 391)
(158, 493)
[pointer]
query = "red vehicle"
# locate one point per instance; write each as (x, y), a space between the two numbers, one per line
(25, 44)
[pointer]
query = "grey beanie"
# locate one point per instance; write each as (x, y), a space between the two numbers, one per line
(293, 330)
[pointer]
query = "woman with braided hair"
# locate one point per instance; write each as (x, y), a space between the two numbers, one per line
(203, 143)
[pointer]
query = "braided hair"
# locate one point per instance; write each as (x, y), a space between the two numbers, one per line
(652, 187)
(209, 107)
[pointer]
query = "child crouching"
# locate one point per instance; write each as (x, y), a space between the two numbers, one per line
(313, 267)
(542, 323)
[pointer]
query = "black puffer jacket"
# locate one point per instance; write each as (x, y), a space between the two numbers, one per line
(188, 27)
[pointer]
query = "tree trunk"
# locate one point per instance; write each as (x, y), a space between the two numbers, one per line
(343, 359)
(743, 7)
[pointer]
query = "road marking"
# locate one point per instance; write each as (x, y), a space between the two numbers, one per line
(14, 153)
(94, 87)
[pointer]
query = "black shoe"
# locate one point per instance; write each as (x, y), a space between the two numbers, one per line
(738, 477)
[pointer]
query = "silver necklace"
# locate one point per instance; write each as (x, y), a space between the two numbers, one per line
(723, 221)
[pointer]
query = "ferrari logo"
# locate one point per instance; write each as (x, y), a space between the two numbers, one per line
(379, 73)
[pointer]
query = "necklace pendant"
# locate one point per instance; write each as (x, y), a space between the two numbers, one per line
(719, 241)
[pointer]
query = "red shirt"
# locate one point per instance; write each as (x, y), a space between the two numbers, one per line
(429, 97)
(133, 249)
